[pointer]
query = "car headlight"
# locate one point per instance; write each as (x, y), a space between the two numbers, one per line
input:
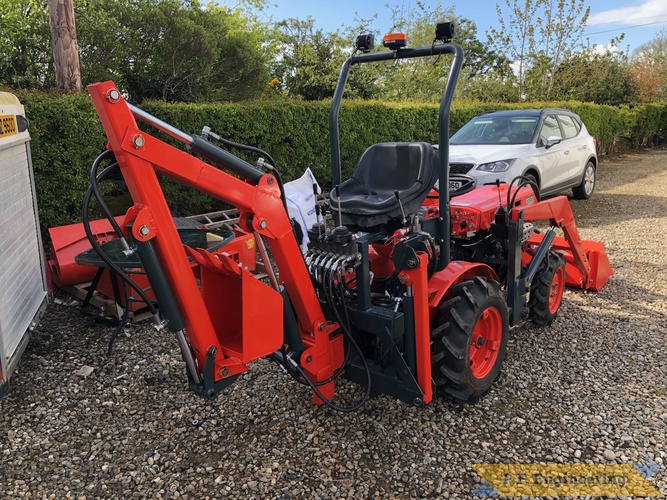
(496, 166)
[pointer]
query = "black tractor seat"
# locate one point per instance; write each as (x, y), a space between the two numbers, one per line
(367, 199)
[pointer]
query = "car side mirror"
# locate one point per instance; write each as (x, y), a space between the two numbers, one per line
(552, 140)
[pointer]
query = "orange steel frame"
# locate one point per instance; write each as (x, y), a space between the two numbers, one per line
(261, 204)
(582, 272)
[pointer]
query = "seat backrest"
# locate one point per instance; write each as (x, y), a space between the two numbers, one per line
(390, 166)
(367, 198)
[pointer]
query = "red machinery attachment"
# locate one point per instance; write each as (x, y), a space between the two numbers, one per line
(69, 241)
(250, 306)
(213, 350)
(587, 263)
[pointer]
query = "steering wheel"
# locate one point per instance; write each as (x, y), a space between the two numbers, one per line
(466, 184)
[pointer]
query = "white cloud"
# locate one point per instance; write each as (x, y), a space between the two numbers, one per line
(645, 12)
(603, 49)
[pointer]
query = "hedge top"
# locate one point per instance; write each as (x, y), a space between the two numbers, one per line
(67, 136)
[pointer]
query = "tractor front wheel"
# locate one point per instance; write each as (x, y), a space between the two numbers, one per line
(546, 290)
(469, 340)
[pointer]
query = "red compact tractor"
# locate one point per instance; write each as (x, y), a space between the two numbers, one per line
(408, 290)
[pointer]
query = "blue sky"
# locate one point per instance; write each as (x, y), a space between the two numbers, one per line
(640, 20)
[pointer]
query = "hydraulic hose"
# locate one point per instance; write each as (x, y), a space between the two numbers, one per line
(93, 182)
(329, 290)
(123, 319)
(231, 144)
(524, 181)
(89, 233)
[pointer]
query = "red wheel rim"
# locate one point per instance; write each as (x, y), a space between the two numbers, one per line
(485, 342)
(556, 290)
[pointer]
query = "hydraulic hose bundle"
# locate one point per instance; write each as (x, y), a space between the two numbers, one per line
(93, 190)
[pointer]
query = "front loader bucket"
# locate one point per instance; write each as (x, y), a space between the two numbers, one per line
(598, 270)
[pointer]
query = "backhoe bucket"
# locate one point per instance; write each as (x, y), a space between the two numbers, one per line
(598, 271)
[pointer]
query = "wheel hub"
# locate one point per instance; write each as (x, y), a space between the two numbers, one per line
(590, 180)
(485, 342)
(556, 290)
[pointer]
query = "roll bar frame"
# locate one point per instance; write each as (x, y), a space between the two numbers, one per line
(443, 229)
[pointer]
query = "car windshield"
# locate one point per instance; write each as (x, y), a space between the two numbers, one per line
(489, 129)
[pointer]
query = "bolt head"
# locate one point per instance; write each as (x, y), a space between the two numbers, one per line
(269, 180)
(144, 230)
(309, 359)
(113, 96)
(321, 327)
(138, 141)
(262, 224)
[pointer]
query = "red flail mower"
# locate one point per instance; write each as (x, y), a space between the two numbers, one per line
(409, 285)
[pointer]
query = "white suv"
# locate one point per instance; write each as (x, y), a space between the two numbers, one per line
(551, 146)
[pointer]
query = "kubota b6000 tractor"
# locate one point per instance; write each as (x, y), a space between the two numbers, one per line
(411, 293)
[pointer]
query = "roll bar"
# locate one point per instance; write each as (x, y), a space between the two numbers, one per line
(444, 229)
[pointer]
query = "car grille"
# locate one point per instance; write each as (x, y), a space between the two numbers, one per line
(460, 168)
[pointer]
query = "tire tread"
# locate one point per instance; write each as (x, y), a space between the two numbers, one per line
(450, 339)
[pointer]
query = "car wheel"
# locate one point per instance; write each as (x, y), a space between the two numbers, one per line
(585, 190)
(534, 179)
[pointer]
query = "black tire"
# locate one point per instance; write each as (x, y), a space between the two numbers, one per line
(454, 351)
(546, 290)
(532, 178)
(585, 190)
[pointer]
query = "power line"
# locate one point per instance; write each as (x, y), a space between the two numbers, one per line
(627, 27)
(626, 20)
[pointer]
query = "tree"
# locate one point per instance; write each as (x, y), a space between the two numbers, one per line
(560, 28)
(65, 52)
(602, 77)
(172, 50)
(424, 79)
(649, 68)
(495, 85)
(26, 58)
(538, 35)
(175, 50)
(308, 59)
(516, 35)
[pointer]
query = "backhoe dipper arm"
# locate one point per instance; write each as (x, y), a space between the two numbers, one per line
(140, 156)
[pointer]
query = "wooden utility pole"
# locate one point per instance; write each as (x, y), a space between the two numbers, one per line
(65, 49)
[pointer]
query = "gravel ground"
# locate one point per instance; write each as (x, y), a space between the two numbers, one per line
(591, 388)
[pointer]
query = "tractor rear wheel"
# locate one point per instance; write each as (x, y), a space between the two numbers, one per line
(469, 340)
(546, 290)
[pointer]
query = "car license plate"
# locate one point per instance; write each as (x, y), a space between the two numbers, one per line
(454, 185)
(7, 125)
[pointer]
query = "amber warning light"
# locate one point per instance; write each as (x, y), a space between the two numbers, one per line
(394, 41)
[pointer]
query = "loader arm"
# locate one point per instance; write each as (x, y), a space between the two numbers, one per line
(589, 266)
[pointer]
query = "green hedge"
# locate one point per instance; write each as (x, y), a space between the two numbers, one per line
(67, 136)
